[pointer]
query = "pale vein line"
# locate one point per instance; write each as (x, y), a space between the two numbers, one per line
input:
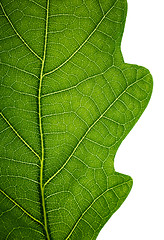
(40, 124)
(100, 7)
(101, 145)
(19, 92)
(12, 176)
(8, 210)
(74, 150)
(14, 160)
(122, 124)
(23, 228)
(77, 50)
(33, 218)
(19, 34)
(19, 135)
(110, 189)
(38, 4)
(74, 86)
(19, 69)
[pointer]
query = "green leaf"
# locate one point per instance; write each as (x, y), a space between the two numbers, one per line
(67, 102)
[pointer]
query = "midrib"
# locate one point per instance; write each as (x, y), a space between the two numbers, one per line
(40, 125)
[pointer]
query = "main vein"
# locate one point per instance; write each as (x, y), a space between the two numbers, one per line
(40, 125)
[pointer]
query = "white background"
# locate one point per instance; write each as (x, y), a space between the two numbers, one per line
(141, 155)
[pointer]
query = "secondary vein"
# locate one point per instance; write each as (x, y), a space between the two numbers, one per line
(21, 38)
(19, 69)
(13, 201)
(18, 135)
(90, 206)
(86, 40)
(89, 129)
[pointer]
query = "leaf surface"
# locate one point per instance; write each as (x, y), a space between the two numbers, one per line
(67, 101)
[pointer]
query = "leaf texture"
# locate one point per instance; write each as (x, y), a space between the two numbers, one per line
(67, 101)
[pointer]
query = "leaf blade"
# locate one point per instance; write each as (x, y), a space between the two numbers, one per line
(75, 114)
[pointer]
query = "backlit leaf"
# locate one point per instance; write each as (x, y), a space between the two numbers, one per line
(67, 101)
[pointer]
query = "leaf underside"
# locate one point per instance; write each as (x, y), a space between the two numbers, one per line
(67, 101)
